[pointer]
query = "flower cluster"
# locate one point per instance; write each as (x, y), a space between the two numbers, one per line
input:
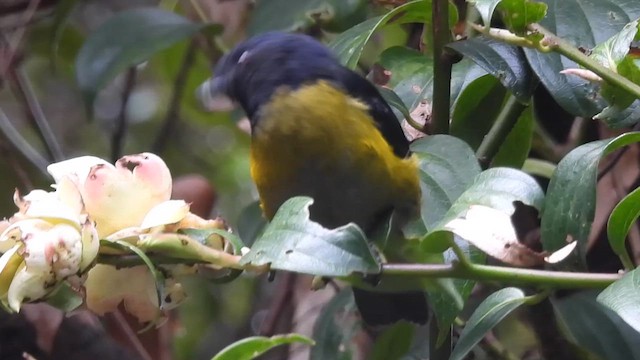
(55, 237)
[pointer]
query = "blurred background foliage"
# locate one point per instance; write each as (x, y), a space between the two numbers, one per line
(156, 101)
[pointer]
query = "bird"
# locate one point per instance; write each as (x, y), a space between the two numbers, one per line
(321, 130)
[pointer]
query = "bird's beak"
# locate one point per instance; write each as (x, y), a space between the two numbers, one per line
(212, 97)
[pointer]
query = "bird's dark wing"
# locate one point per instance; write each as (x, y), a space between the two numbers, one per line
(388, 124)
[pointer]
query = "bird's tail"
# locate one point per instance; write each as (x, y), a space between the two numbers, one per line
(378, 308)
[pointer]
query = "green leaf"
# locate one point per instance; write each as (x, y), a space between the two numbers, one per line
(571, 196)
(485, 8)
(488, 314)
(394, 342)
(622, 218)
(61, 16)
(65, 298)
(336, 328)
(611, 52)
(349, 45)
(292, 242)
(596, 328)
(506, 62)
(476, 110)
(394, 100)
(411, 75)
(623, 297)
(127, 39)
(613, 55)
(286, 15)
(517, 14)
(590, 23)
(252, 347)
(447, 168)
(515, 149)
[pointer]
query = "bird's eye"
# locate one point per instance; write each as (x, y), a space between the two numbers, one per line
(243, 57)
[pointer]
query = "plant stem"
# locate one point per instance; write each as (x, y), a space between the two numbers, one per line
(561, 46)
(441, 68)
(486, 273)
(505, 121)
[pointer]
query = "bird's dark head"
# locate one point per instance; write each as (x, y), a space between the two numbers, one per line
(250, 73)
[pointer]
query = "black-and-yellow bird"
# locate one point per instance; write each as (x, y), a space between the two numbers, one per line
(321, 130)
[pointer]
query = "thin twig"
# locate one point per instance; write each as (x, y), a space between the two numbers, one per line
(24, 90)
(173, 112)
(18, 169)
(120, 131)
(17, 38)
(21, 144)
(131, 335)
(505, 121)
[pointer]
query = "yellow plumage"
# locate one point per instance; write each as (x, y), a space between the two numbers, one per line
(318, 141)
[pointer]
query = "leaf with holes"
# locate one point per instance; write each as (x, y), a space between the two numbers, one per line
(293, 242)
(571, 196)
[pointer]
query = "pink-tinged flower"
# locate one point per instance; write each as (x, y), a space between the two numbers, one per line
(47, 241)
(55, 236)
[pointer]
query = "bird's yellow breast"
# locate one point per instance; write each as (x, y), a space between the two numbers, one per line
(319, 142)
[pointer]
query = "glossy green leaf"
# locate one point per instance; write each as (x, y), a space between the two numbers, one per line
(292, 242)
(127, 39)
(596, 328)
(515, 149)
(447, 168)
(591, 23)
(394, 342)
(411, 75)
(394, 100)
(571, 196)
(622, 218)
(506, 62)
(476, 110)
(349, 45)
(623, 297)
(488, 314)
(336, 328)
(517, 14)
(252, 347)
(485, 8)
(613, 55)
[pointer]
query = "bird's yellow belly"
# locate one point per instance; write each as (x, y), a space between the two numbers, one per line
(317, 142)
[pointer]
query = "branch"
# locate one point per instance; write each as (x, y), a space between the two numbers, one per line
(119, 133)
(505, 121)
(485, 273)
(441, 68)
(21, 144)
(173, 112)
(24, 90)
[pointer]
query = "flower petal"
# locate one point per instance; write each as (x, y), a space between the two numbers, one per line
(105, 291)
(90, 244)
(165, 213)
(29, 286)
(79, 167)
(10, 261)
